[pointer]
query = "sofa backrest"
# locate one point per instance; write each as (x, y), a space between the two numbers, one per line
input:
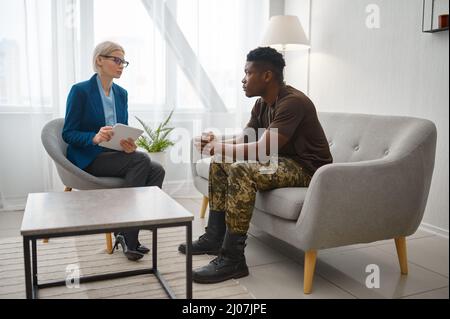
(362, 137)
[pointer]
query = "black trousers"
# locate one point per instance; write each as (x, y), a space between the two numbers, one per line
(136, 168)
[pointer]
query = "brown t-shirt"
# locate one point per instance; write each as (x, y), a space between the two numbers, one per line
(295, 117)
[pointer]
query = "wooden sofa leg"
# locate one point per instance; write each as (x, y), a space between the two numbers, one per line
(400, 244)
(204, 206)
(310, 265)
(66, 189)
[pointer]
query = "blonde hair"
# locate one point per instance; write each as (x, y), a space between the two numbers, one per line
(104, 48)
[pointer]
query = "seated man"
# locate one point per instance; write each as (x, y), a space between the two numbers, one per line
(283, 113)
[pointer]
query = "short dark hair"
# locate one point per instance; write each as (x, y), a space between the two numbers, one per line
(270, 59)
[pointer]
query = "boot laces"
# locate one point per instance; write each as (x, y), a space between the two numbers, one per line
(216, 261)
(203, 238)
(206, 238)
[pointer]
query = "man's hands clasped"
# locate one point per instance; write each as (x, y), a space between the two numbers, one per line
(205, 143)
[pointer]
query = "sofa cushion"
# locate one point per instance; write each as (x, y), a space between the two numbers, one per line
(285, 202)
(202, 167)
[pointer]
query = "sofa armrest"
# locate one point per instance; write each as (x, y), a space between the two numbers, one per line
(195, 157)
(362, 202)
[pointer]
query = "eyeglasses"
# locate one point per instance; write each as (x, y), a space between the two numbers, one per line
(117, 60)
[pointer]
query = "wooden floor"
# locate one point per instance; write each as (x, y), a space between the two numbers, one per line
(87, 255)
(276, 269)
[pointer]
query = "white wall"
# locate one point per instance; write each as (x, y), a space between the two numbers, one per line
(296, 72)
(395, 69)
(23, 163)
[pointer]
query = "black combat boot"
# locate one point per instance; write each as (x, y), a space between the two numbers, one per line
(230, 264)
(211, 241)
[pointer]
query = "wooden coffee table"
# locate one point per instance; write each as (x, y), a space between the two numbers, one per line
(49, 215)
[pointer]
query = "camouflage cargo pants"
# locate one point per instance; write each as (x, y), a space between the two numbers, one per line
(233, 187)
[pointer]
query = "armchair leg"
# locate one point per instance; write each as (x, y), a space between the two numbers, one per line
(109, 243)
(310, 265)
(204, 206)
(66, 189)
(400, 244)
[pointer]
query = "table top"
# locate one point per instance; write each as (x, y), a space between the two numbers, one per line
(61, 212)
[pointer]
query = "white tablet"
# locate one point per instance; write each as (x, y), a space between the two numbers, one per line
(121, 132)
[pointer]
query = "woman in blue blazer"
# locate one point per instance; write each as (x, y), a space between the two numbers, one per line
(93, 107)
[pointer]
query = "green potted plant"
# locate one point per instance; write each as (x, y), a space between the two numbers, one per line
(155, 142)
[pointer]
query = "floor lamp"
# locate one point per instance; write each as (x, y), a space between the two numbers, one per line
(285, 33)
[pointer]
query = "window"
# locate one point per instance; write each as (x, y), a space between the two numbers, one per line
(210, 27)
(217, 31)
(25, 53)
(127, 23)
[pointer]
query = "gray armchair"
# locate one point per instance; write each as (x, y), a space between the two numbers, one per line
(376, 189)
(71, 176)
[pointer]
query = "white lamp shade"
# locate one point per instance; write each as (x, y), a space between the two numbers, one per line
(285, 33)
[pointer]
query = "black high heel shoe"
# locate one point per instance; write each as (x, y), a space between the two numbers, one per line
(142, 249)
(132, 255)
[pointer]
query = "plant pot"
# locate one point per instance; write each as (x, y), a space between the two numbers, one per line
(159, 157)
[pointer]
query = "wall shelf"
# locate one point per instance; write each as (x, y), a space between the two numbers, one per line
(430, 12)
(435, 30)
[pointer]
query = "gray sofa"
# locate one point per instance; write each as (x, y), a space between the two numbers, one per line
(376, 188)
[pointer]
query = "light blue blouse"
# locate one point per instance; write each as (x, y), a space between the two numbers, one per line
(109, 104)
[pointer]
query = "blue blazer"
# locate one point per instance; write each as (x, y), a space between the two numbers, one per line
(85, 117)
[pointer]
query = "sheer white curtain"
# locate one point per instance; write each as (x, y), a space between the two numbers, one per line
(186, 55)
(46, 46)
(32, 62)
(25, 97)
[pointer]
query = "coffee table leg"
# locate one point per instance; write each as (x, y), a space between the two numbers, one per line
(26, 259)
(34, 266)
(189, 260)
(154, 248)
(34, 261)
